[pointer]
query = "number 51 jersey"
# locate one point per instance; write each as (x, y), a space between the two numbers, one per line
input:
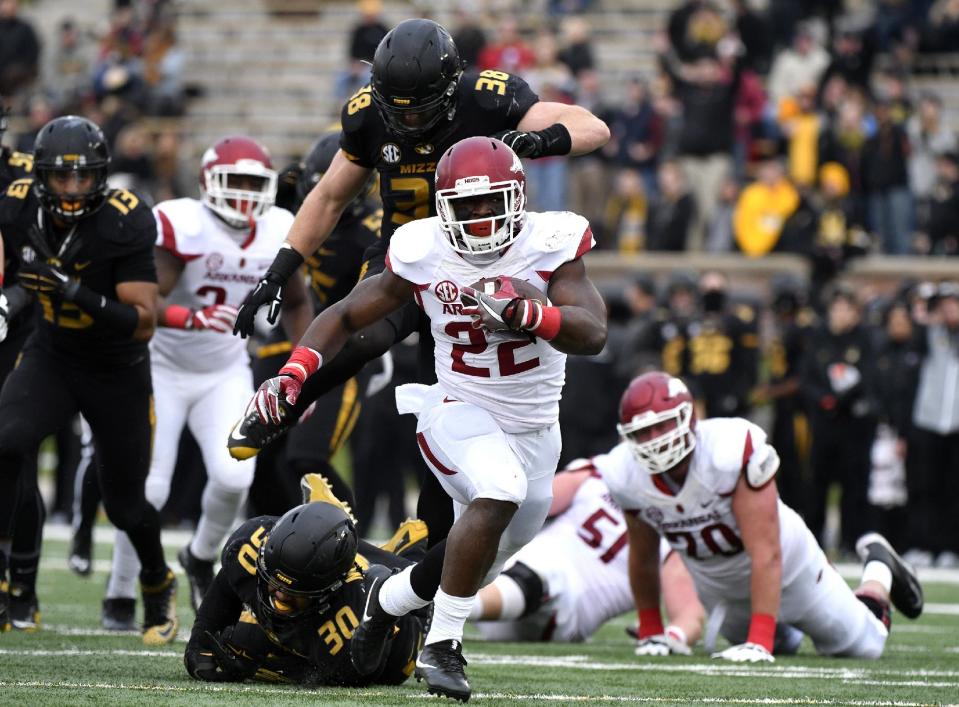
(698, 521)
(517, 378)
(220, 266)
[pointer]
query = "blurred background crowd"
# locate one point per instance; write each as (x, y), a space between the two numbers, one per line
(824, 129)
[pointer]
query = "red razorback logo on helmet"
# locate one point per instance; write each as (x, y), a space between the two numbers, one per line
(446, 291)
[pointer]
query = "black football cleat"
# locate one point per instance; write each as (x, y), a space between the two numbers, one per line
(199, 574)
(160, 622)
(24, 609)
(250, 435)
(441, 665)
(906, 592)
(80, 559)
(119, 614)
(368, 645)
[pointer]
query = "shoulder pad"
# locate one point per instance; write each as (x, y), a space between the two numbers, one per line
(126, 219)
(14, 200)
(414, 241)
(762, 465)
(185, 217)
(278, 218)
(244, 533)
(495, 91)
(560, 230)
(613, 470)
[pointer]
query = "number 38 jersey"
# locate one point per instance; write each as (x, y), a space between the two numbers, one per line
(518, 379)
(698, 521)
(220, 266)
(487, 102)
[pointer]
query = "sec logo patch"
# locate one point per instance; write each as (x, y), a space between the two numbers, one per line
(390, 152)
(446, 291)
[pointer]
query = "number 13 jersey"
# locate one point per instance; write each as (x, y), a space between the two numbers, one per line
(517, 378)
(220, 266)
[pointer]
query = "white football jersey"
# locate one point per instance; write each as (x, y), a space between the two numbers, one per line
(221, 265)
(517, 380)
(698, 521)
(583, 556)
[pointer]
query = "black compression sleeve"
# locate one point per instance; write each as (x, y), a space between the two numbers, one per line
(221, 607)
(117, 315)
(556, 140)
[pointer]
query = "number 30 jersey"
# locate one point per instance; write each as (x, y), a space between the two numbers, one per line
(517, 378)
(698, 520)
(220, 266)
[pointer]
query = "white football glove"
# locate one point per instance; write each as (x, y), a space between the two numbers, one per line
(672, 642)
(746, 653)
(4, 310)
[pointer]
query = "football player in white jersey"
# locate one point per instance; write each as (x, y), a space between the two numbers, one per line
(573, 576)
(210, 252)
(488, 429)
(709, 489)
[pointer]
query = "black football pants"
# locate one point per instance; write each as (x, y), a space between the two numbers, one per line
(42, 394)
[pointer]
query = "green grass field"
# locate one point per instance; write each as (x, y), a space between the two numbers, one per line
(72, 662)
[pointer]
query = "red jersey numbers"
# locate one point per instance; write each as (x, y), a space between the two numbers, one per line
(715, 539)
(505, 352)
(591, 533)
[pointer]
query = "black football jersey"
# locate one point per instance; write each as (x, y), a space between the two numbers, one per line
(324, 640)
(115, 245)
(487, 102)
(334, 269)
(14, 165)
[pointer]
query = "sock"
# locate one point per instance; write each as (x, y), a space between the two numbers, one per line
(426, 575)
(126, 568)
(220, 507)
(876, 571)
(397, 596)
(477, 610)
(449, 616)
(512, 597)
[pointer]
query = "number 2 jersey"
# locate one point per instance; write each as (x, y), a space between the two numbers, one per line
(320, 651)
(220, 266)
(517, 378)
(487, 103)
(109, 247)
(698, 520)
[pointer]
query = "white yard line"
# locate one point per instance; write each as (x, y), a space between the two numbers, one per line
(397, 695)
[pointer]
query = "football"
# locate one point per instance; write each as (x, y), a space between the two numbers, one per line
(505, 287)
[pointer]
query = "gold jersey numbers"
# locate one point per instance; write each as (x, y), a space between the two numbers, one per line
(248, 553)
(359, 100)
(491, 80)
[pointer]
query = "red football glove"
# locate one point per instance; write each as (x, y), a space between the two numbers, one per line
(215, 317)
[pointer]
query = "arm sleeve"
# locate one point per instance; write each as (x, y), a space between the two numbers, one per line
(221, 607)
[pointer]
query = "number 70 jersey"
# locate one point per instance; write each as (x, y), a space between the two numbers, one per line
(517, 378)
(220, 266)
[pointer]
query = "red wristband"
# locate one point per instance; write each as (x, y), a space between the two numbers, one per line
(302, 364)
(549, 325)
(1, 279)
(762, 630)
(650, 623)
(177, 316)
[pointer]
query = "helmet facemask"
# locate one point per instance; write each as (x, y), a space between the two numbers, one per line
(416, 121)
(236, 203)
(71, 207)
(665, 450)
(487, 233)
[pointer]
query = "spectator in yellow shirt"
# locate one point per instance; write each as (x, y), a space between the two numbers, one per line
(763, 208)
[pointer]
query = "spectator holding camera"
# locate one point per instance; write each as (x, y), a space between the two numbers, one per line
(933, 483)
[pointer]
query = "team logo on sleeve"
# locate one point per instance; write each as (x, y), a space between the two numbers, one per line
(390, 152)
(214, 262)
(655, 515)
(447, 292)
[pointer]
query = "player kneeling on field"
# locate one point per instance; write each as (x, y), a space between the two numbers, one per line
(709, 489)
(305, 577)
(573, 576)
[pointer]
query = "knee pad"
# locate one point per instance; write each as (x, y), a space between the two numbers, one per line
(157, 492)
(235, 478)
(530, 583)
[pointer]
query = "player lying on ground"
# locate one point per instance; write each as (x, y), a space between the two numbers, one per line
(489, 429)
(573, 577)
(290, 593)
(709, 489)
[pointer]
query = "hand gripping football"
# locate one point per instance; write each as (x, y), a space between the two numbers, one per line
(505, 287)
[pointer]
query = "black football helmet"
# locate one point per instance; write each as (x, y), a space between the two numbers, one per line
(416, 69)
(70, 144)
(304, 560)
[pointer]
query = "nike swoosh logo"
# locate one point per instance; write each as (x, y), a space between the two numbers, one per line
(81, 266)
(233, 433)
(369, 598)
(425, 665)
(448, 399)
